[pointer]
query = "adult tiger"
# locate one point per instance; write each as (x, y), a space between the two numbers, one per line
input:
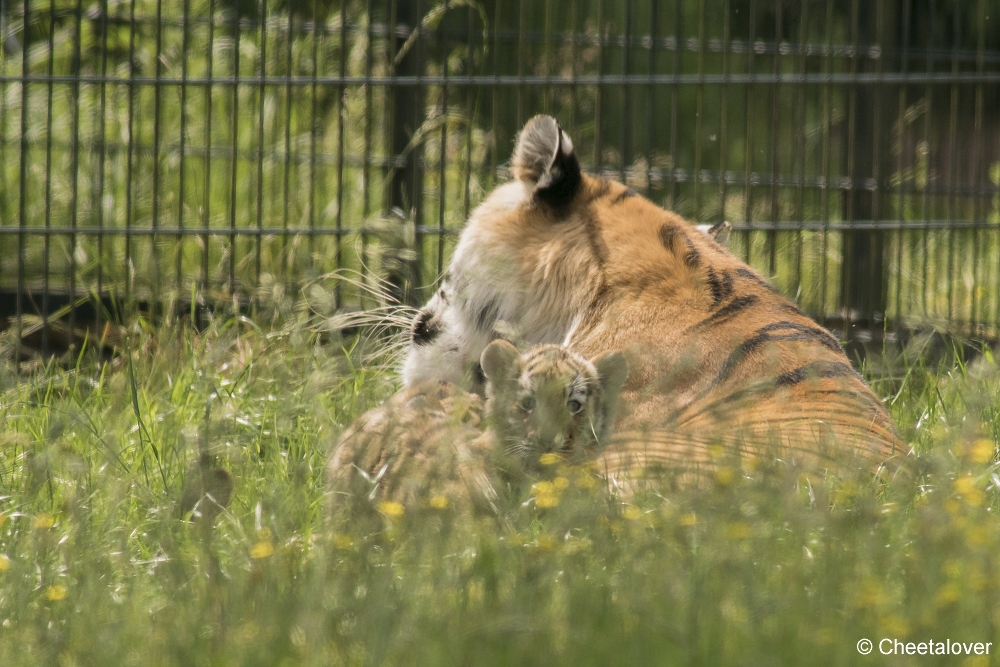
(717, 356)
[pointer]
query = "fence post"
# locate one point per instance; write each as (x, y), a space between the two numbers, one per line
(406, 185)
(869, 158)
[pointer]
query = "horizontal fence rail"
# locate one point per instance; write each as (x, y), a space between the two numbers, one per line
(204, 150)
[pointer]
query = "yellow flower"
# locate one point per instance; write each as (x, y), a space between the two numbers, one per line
(632, 513)
(391, 508)
(549, 459)
(439, 502)
(262, 550)
(264, 534)
(4, 563)
(543, 488)
(967, 487)
(977, 536)
(585, 481)
(724, 476)
(44, 521)
(560, 483)
(738, 530)
(948, 595)
(3, 518)
(982, 451)
(871, 594)
(56, 592)
(894, 625)
(546, 542)
(577, 545)
(689, 519)
(546, 500)
(342, 541)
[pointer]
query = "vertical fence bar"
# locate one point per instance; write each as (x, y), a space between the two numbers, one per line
(800, 148)
(953, 159)
(234, 118)
(406, 184)
(341, 146)
(47, 237)
(748, 216)
(901, 197)
(599, 90)
(651, 98)
(286, 185)
(130, 151)
(101, 154)
(775, 146)
(862, 266)
(444, 143)
(314, 126)
(22, 212)
(626, 117)
(207, 203)
(978, 156)
(825, 161)
(182, 149)
(471, 107)
(925, 205)
(74, 149)
(261, 92)
(724, 111)
(699, 111)
(675, 70)
(368, 126)
(155, 217)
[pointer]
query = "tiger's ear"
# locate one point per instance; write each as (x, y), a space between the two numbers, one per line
(499, 361)
(544, 160)
(612, 369)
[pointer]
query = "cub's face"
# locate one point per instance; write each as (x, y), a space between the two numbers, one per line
(550, 399)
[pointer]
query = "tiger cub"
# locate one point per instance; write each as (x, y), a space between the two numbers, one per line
(551, 399)
(436, 439)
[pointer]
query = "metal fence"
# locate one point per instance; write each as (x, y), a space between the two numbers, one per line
(201, 150)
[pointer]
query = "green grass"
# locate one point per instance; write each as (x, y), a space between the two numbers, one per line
(776, 565)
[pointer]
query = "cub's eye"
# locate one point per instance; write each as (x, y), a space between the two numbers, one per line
(574, 406)
(528, 403)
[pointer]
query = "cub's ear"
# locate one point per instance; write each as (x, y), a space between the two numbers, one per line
(544, 159)
(612, 369)
(499, 361)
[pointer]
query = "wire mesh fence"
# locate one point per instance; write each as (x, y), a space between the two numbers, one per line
(196, 151)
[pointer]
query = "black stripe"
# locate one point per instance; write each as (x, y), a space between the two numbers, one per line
(747, 273)
(667, 234)
(425, 328)
(721, 288)
(765, 335)
(816, 370)
(824, 337)
(487, 315)
(727, 312)
(792, 308)
(593, 229)
(692, 257)
(601, 191)
(627, 193)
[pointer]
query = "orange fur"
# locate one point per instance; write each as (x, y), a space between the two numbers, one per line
(715, 355)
